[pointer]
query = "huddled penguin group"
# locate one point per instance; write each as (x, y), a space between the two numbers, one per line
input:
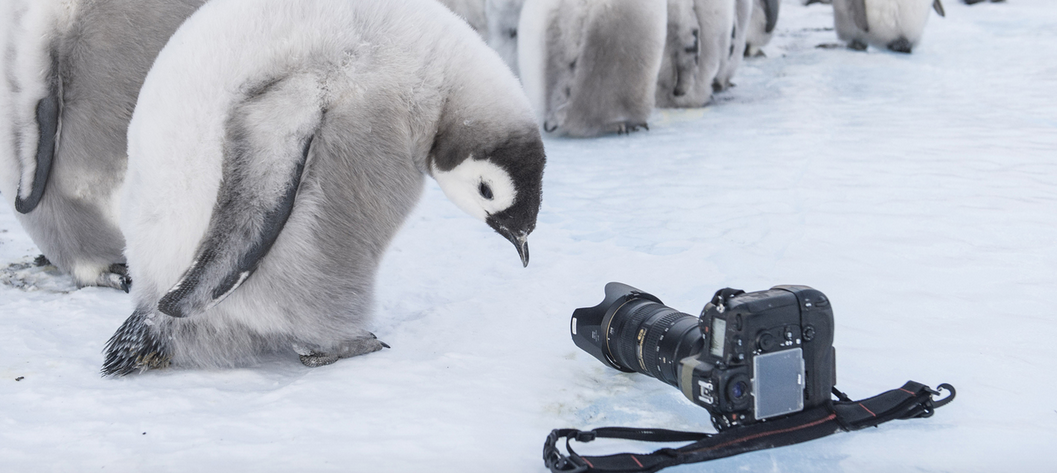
(273, 150)
(242, 165)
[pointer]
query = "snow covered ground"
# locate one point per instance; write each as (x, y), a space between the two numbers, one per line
(918, 192)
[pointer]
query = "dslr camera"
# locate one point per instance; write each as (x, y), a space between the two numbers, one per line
(747, 358)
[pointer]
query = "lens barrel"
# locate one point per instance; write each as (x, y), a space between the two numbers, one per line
(634, 331)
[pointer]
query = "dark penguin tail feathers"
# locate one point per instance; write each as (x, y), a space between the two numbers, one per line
(134, 347)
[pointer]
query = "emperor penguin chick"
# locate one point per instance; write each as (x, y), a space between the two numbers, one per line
(71, 72)
(761, 26)
(471, 11)
(502, 17)
(590, 67)
(267, 177)
(893, 24)
(699, 41)
(738, 35)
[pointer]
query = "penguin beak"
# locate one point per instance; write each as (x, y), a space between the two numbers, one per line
(520, 242)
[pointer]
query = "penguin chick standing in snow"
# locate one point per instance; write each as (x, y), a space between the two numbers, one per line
(503, 16)
(761, 27)
(267, 176)
(590, 67)
(893, 24)
(738, 34)
(699, 38)
(71, 71)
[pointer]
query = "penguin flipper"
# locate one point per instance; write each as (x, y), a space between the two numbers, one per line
(770, 10)
(49, 124)
(858, 14)
(269, 138)
(938, 6)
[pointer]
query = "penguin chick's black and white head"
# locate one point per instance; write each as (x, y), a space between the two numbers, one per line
(498, 184)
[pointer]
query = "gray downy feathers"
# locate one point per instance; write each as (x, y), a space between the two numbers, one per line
(602, 58)
(320, 155)
(699, 41)
(73, 134)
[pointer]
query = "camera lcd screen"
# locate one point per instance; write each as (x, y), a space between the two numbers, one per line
(778, 383)
(719, 336)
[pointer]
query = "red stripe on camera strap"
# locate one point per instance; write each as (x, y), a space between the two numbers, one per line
(913, 400)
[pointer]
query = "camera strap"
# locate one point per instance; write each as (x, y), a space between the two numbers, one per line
(913, 400)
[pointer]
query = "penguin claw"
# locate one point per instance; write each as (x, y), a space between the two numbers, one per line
(42, 261)
(118, 277)
(900, 45)
(351, 348)
(627, 128)
(857, 45)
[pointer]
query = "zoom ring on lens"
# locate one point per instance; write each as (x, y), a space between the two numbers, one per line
(651, 345)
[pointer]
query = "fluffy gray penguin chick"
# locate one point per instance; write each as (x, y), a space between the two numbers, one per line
(590, 67)
(700, 37)
(893, 24)
(471, 11)
(71, 71)
(502, 17)
(732, 58)
(761, 27)
(277, 147)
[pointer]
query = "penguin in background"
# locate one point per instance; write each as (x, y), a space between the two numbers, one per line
(761, 27)
(71, 72)
(699, 38)
(590, 67)
(503, 17)
(266, 178)
(739, 33)
(471, 11)
(893, 24)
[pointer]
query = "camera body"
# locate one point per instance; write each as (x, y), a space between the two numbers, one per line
(747, 358)
(767, 354)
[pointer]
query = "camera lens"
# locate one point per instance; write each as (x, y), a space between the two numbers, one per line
(636, 332)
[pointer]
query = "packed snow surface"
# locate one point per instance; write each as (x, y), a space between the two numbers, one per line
(919, 192)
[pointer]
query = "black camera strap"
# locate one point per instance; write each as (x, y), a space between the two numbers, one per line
(913, 400)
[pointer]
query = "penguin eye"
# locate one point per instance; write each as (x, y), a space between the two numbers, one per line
(485, 191)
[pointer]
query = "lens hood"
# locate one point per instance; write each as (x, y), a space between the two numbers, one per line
(589, 325)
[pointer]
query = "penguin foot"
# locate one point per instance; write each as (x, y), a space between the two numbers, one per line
(900, 45)
(349, 349)
(830, 46)
(116, 277)
(42, 261)
(974, 2)
(626, 128)
(857, 45)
